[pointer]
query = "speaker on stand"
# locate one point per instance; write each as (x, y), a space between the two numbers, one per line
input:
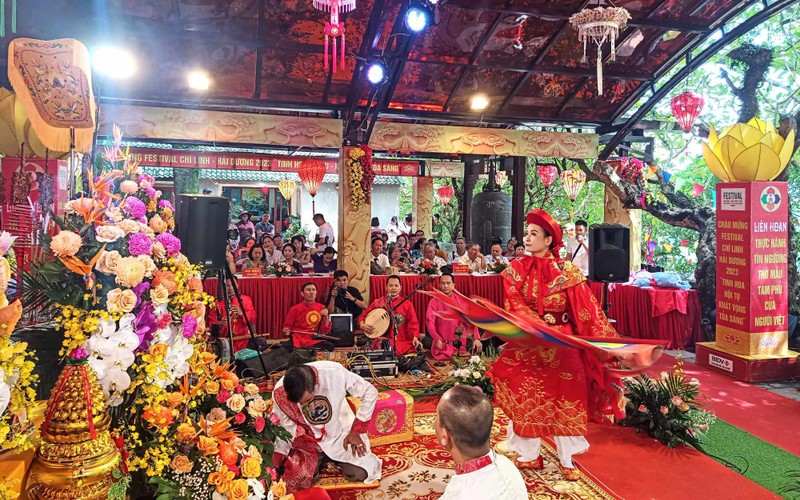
(201, 223)
(609, 256)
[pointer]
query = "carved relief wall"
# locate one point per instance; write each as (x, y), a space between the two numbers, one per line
(143, 122)
(486, 141)
(614, 213)
(354, 233)
(422, 204)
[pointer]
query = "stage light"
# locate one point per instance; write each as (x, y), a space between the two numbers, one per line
(377, 73)
(418, 16)
(198, 80)
(114, 62)
(479, 102)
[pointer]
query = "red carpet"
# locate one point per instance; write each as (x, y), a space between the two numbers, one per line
(635, 466)
(766, 415)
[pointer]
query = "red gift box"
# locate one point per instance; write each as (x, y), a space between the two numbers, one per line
(393, 419)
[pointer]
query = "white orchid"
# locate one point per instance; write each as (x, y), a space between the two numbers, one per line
(114, 384)
(259, 491)
(111, 353)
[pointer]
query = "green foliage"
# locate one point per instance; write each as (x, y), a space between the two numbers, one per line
(186, 180)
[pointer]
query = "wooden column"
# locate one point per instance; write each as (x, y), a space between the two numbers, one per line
(354, 231)
(469, 187)
(518, 178)
(422, 204)
(615, 213)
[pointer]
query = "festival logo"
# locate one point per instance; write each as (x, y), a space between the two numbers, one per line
(313, 318)
(770, 198)
(318, 411)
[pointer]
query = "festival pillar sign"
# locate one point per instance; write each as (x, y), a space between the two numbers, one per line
(752, 255)
(354, 227)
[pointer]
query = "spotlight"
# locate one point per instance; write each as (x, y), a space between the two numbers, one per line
(377, 73)
(418, 16)
(198, 80)
(479, 102)
(114, 62)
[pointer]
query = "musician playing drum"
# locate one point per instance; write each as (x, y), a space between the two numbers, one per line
(404, 315)
(307, 318)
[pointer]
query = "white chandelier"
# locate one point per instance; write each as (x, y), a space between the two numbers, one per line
(598, 25)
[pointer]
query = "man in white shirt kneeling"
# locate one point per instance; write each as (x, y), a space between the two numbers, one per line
(463, 426)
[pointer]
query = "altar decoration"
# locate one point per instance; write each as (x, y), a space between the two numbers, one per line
(280, 269)
(547, 174)
(312, 172)
(752, 151)
(393, 418)
(573, 180)
(334, 28)
(77, 458)
(599, 25)
(686, 107)
(666, 407)
(497, 267)
(473, 372)
(428, 268)
(287, 188)
(359, 163)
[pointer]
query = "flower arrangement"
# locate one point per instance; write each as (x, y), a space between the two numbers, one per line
(222, 432)
(280, 269)
(666, 408)
(473, 372)
(359, 164)
(428, 268)
(497, 267)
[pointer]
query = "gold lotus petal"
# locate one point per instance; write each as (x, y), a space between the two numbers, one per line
(714, 164)
(736, 132)
(726, 131)
(713, 138)
(726, 150)
(751, 136)
(777, 141)
(786, 151)
(757, 163)
(761, 125)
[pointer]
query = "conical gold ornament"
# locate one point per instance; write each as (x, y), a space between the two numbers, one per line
(77, 459)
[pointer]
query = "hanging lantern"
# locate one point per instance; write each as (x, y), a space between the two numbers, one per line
(573, 180)
(445, 194)
(335, 28)
(697, 190)
(287, 188)
(265, 190)
(311, 172)
(598, 25)
(547, 174)
(686, 108)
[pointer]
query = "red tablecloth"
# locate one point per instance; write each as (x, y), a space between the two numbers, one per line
(272, 297)
(667, 314)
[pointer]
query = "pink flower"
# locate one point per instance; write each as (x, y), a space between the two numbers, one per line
(702, 427)
(664, 410)
(260, 423)
(239, 389)
(677, 401)
(234, 469)
(643, 408)
(274, 419)
(139, 244)
(272, 473)
(171, 244)
(189, 326)
(239, 418)
(164, 320)
(134, 206)
(79, 353)
(223, 396)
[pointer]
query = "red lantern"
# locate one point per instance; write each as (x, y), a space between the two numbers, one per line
(265, 190)
(445, 193)
(311, 172)
(686, 108)
(547, 174)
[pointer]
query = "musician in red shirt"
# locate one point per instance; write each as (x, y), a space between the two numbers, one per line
(307, 318)
(239, 325)
(404, 315)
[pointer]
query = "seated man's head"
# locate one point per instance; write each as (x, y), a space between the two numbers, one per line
(446, 283)
(309, 291)
(429, 251)
(340, 277)
(497, 251)
(328, 255)
(464, 422)
(393, 286)
(473, 250)
(299, 383)
(377, 246)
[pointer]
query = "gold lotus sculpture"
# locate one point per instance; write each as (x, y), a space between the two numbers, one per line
(752, 151)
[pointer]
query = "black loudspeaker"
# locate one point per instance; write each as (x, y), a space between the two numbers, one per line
(275, 360)
(609, 258)
(201, 223)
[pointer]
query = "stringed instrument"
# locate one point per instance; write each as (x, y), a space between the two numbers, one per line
(380, 318)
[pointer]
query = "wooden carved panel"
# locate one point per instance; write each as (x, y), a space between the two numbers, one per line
(423, 204)
(354, 233)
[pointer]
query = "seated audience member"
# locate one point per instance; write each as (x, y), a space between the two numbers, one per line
(439, 252)
(443, 331)
(464, 418)
(288, 256)
(497, 254)
(379, 261)
(311, 404)
(384, 238)
(325, 237)
(429, 255)
(474, 259)
(460, 251)
(272, 254)
(325, 262)
(519, 250)
(419, 241)
(245, 227)
(398, 258)
(245, 250)
(351, 302)
(407, 338)
(219, 316)
(256, 258)
(307, 318)
(277, 240)
(301, 253)
(402, 241)
(510, 244)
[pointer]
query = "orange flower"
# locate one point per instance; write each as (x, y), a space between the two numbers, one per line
(159, 350)
(185, 433)
(212, 387)
(221, 478)
(207, 357)
(167, 279)
(195, 284)
(158, 416)
(181, 464)
(208, 446)
(229, 375)
(251, 467)
(238, 490)
(227, 384)
(174, 399)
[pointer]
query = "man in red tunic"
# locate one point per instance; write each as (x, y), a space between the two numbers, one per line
(404, 317)
(307, 318)
(239, 325)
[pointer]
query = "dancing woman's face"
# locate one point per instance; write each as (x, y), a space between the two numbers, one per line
(537, 241)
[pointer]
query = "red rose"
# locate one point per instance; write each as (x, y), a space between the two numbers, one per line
(233, 469)
(239, 389)
(223, 396)
(164, 320)
(260, 424)
(239, 418)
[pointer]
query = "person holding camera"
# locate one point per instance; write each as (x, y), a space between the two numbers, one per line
(344, 299)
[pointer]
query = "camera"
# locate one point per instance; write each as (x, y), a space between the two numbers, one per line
(342, 291)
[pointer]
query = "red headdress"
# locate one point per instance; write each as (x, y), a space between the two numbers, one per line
(546, 221)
